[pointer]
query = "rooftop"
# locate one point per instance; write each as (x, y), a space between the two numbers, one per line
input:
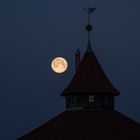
(86, 125)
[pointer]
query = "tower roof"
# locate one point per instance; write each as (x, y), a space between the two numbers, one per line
(89, 77)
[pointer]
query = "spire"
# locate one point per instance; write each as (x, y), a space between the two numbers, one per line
(89, 88)
(89, 48)
(89, 27)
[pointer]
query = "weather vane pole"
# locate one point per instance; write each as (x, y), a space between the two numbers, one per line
(89, 10)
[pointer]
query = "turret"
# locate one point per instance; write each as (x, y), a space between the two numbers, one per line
(89, 88)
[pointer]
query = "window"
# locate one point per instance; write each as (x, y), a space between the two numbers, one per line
(91, 99)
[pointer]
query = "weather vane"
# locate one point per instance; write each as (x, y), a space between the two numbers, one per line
(89, 10)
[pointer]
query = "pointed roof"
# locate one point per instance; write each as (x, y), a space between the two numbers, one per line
(86, 125)
(89, 77)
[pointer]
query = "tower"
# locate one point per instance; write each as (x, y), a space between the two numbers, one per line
(90, 113)
(89, 88)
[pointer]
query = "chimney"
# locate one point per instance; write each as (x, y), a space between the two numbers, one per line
(77, 59)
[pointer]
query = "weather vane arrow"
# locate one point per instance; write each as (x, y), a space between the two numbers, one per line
(89, 10)
(92, 9)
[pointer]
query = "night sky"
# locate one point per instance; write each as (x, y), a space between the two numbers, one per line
(33, 32)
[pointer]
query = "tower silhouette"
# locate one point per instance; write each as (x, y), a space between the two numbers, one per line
(90, 108)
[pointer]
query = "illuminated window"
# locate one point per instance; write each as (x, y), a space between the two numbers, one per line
(91, 99)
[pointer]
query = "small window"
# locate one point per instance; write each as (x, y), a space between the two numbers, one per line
(91, 99)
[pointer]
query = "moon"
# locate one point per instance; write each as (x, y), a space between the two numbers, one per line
(59, 65)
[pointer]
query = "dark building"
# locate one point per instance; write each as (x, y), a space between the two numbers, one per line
(90, 107)
(90, 87)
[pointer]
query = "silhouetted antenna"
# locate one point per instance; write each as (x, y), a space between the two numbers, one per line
(89, 11)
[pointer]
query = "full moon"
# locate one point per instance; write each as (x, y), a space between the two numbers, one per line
(59, 65)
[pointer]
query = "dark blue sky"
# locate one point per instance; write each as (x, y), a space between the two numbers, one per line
(33, 32)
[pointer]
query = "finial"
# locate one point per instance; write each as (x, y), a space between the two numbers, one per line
(89, 10)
